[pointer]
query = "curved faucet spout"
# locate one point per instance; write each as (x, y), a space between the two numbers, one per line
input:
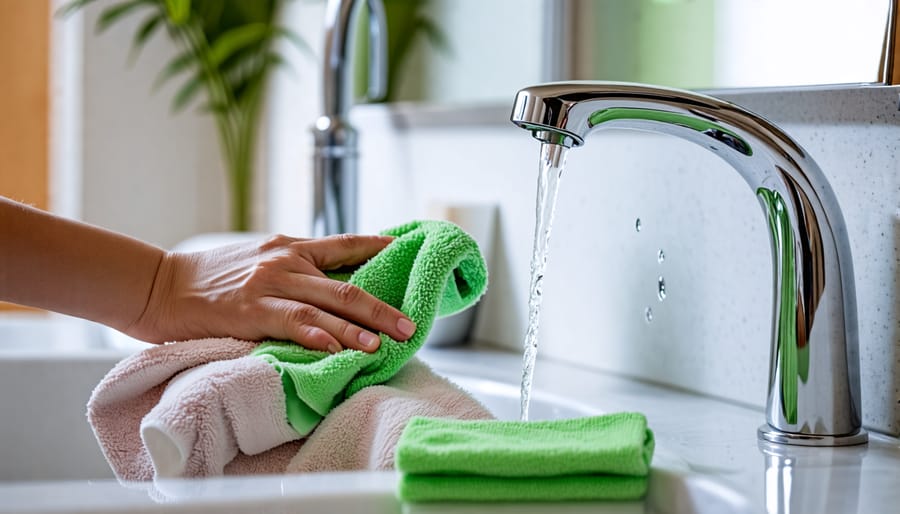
(814, 392)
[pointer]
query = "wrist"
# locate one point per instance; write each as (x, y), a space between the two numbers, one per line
(153, 323)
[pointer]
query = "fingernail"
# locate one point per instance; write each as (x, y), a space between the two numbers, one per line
(367, 339)
(406, 327)
(334, 347)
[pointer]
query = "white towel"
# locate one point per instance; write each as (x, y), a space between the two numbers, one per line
(209, 413)
(205, 407)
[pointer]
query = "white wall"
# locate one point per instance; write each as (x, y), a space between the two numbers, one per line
(783, 43)
(492, 48)
(138, 169)
(295, 103)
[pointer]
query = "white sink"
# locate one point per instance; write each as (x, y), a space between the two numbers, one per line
(50, 461)
(502, 399)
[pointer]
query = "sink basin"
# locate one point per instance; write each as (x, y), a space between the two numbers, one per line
(502, 399)
(44, 470)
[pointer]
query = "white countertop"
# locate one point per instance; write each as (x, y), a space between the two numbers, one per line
(717, 439)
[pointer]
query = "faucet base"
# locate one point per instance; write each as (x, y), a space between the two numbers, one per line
(767, 433)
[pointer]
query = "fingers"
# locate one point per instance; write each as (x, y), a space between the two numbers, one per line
(341, 250)
(318, 312)
(349, 302)
(317, 329)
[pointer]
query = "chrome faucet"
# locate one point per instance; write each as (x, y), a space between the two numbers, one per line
(335, 157)
(814, 393)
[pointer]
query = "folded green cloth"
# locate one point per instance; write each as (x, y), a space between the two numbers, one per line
(593, 458)
(431, 269)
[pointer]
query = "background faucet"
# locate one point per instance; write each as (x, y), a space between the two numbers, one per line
(814, 394)
(335, 157)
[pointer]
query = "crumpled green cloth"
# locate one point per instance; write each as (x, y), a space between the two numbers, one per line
(431, 269)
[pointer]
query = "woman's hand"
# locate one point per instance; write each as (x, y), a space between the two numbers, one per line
(276, 290)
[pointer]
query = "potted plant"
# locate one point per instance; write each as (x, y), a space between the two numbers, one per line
(227, 52)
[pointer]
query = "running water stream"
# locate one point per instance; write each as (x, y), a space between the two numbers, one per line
(553, 160)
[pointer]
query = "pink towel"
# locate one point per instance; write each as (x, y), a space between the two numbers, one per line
(205, 407)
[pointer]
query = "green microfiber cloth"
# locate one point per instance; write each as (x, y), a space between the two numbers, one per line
(593, 458)
(431, 269)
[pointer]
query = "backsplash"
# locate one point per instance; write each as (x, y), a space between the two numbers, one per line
(711, 332)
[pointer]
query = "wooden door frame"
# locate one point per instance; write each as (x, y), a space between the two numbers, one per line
(25, 103)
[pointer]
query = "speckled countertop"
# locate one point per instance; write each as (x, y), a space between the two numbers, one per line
(717, 440)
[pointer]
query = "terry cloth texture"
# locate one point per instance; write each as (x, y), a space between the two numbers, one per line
(593, 458)
(214, 406)
(206, 407)
(431, 269)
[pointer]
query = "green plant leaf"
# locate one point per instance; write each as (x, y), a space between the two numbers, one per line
(71, 7)
(178, 64)
(294, 39)
(113, 13)
(143, 34)
(262, 11)
(277, 61)
(209, 13)
(215, 108)
(235, 40)
(434, 34)
(178, 11)
(239, 72)
(187, 93)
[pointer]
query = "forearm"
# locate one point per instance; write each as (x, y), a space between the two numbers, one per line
(73, 268)
(261, 290)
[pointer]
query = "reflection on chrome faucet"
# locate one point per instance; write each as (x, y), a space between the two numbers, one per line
(814, 393)
(335, 158)
(800, 480)
(792, 355)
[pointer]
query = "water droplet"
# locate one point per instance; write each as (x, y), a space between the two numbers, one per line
(660, 256)
(661, 288)
(637, 225)
(648, 315)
